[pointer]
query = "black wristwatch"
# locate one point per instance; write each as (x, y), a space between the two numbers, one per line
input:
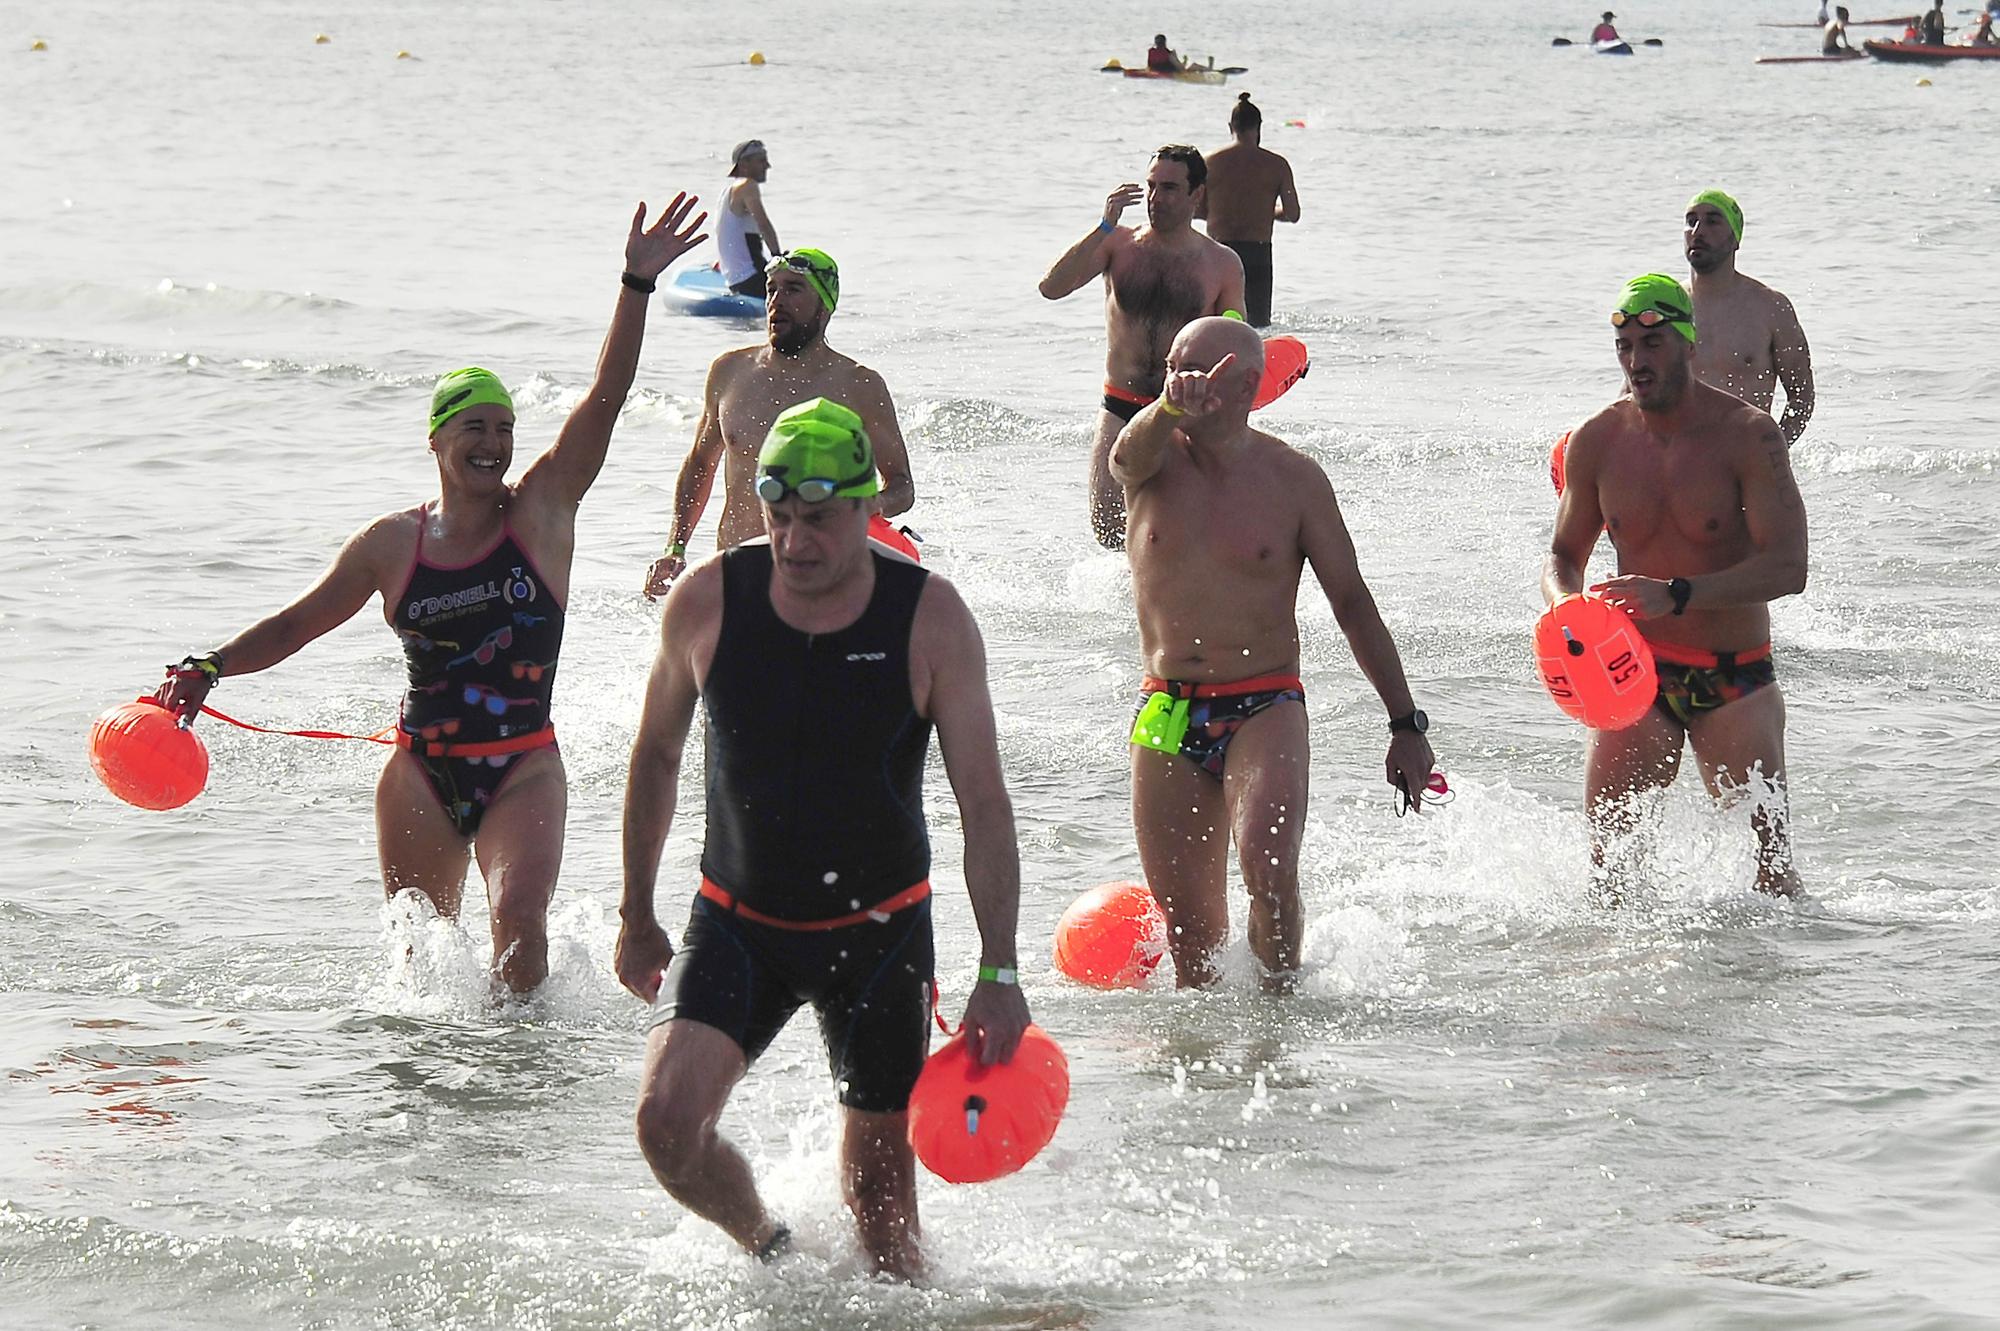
(1416, 723)
(1680, 589)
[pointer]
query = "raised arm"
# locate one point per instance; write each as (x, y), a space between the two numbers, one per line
(688, 627)
(564, 473)
(878, 416)
(1091, 256)
(1288, 194)
(950, 676)
(1579, 518)
(355, 575)
(1141, 447)
(1793, 357)
(694, 485)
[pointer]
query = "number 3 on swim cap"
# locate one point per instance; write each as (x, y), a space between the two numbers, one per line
(1162, 723)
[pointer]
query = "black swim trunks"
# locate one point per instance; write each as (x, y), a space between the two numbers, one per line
(1213, 714)
(1123, 403)
(1256, 256)
(1694, 682)
(870, 983)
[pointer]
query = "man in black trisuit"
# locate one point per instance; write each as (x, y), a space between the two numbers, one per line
(821, 664)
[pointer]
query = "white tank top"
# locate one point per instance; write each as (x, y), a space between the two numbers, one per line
(732, 244)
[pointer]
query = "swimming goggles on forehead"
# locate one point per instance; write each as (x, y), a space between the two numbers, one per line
(813, 489)
(1648, 318)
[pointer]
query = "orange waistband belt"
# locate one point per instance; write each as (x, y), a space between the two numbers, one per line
(877, 913)
(430, 748)
(1127, 395)
(1675, 654)
(1235, 688)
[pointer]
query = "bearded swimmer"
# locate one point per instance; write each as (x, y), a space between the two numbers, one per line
(474, 582)
(747, 389)
(1751, 340)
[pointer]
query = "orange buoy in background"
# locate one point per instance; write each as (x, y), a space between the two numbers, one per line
(1594, 662)
(1558, 468)
(1112, 936)
(970, 1123)
(145, 757)
(1285, 363)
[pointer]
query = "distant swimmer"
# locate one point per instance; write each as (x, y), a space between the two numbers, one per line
(744, 234)
(820, 667)
(1604, 32)
(1158, 278)
(1249, 188)
(474, 583)
(1835, 41)
(1160, 59)
(1695, 486)
(1750, 336)
(1224, 520)
(746, 390)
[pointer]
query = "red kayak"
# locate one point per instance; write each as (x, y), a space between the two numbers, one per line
(1916, 54)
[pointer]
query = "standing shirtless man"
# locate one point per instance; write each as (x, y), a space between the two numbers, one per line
(1224, 520)
(748, 387)
(1158, 278)
(1695, 487)
(1750, 336)
(1249, 188)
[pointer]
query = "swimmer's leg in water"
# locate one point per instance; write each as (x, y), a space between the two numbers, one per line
(879, 1181)
(1265, 783)
(1732, 742)
(1179, 816)
(691, 1069)
(520, 848)
(1107, 496)
(1622, 764)
(419, 848)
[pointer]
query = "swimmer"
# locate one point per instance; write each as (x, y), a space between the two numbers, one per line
(1157, 279)
(1224, 521)
(1696, 489)
(1751, 340)
(1835, 40)
(820, 666)
(743, 233)
(1249, 188)
(746, 390)
(1604, 32)
(1160, 59)
(474, 583)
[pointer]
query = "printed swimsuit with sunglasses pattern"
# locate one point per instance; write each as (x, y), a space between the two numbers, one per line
(482, 641)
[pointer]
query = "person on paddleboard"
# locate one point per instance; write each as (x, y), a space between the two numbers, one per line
(1158, 278)
(1835, 41)
(820, 665)
(1695, 488)
(743, 230)
(474, 583)
(748, 387)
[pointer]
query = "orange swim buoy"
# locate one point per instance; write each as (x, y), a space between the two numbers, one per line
(1285, 363)
(1111, 937)
(146, 758)
(1558, 469)
(896, 538)
(1594, 662)
(970, 1123)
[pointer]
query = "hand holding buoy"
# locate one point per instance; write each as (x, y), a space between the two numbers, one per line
(970, 1122)
(1111, 937)
(1594, 662)
(145, 757)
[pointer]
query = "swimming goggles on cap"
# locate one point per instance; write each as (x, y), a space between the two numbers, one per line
(1648, 318)
(813, 489)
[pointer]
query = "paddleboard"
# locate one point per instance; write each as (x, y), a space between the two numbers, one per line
(1810, 59)
(1852, 23)
(700, 292)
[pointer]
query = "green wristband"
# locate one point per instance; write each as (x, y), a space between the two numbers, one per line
(677, 550)
(1000, 975)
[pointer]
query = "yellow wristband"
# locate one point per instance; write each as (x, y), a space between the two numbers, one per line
(1170, 408)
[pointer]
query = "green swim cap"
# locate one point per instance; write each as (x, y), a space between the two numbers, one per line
(469, 387)
(1731, 210)
(819, 440)
(1660, 294)
(819, 269)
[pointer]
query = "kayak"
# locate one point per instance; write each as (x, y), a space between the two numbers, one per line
(1612, 48)
(1913, 53)
(1180, 75)
(1811, 59)
(700, 292)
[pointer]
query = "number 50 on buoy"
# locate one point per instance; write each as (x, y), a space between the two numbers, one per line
(1594, 662)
